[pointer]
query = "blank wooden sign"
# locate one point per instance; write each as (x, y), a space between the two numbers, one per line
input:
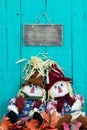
(43, 35)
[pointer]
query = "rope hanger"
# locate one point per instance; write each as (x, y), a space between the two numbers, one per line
(43, 15)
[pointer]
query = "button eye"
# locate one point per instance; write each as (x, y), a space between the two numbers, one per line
(61, 84)
(55, 86)
(36, 85)
(30, 85)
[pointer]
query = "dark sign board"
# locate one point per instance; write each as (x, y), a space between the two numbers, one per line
(43, 35)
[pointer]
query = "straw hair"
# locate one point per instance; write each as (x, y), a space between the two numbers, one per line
(70, 90)
(43, 95)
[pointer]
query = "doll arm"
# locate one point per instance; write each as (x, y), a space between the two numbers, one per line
(78, 103)
(77, 106)
(12, 106)
(51, 107)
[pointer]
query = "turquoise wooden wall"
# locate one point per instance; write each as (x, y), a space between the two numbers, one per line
(72, 55)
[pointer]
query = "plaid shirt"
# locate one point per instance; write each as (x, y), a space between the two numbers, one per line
(52, 105)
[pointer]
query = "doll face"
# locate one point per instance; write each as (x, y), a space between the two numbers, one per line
(59, 89)
(33, 90)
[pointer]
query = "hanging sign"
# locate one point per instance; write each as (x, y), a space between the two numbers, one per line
(43, 34)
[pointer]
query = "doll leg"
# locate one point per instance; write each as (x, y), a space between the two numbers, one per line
(66, 119)
(83, 120)
(38, 117)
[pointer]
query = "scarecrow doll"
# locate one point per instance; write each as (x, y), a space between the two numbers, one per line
(30, 101)
(62, 100)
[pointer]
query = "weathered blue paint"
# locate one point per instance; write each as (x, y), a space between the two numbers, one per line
(72, 55)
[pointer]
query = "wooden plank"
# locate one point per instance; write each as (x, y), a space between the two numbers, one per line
(3, 93)
(29, 14)
(79, 45)
(3, 36)
(43, 35)
(59, 12)
(13, 29)
(3, 57)
(9, 51)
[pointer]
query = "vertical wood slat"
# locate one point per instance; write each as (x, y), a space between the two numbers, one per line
(79, 45)
(13, 28)
(3, 56)
(29, 14)
(9, 51)
(60, 12)
(3, 35)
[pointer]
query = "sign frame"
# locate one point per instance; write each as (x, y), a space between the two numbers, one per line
(43, 34)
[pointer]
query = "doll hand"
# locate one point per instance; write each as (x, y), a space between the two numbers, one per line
(38, 117)
(12, 116)
(77, 108)
(32, 112)
(75, 115)
(43, 100)
(77, 105)
(13, 108)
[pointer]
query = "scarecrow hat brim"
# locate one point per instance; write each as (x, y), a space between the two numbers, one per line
(35, 79)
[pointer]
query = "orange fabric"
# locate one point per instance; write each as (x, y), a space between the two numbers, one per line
(54, 119)
(44, 126)
(5, 125)
(32, 125)
(46, 116)
(50, 121)
(51, 129)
